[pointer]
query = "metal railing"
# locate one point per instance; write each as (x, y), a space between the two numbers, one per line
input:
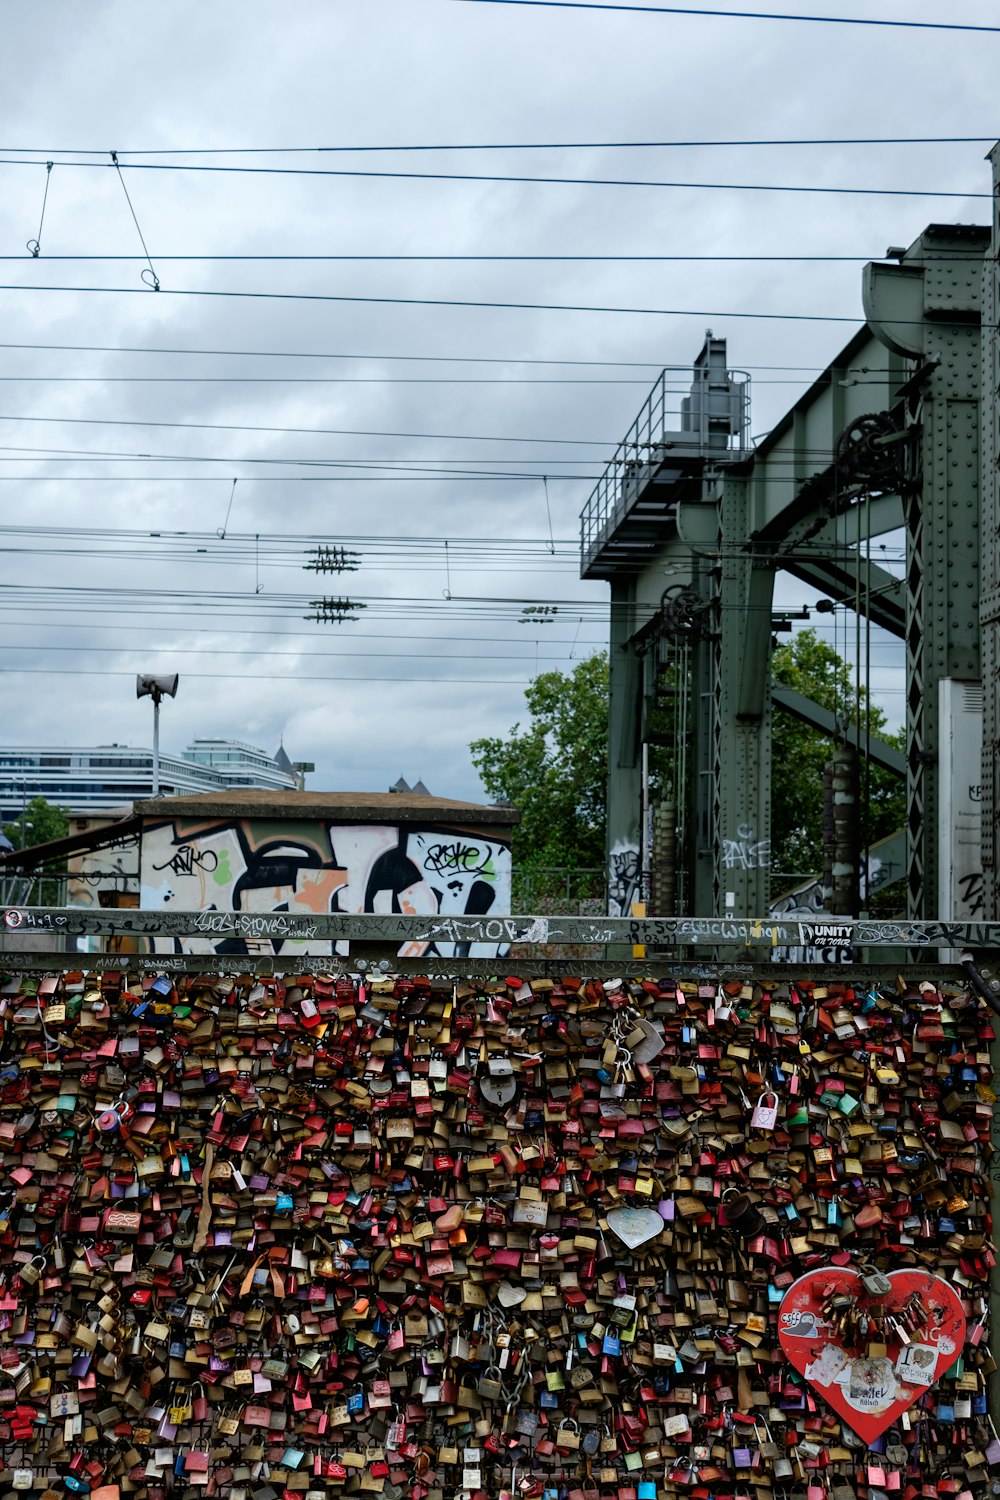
(749, 933)
(579, 891)
(40, 939)
(709, 413)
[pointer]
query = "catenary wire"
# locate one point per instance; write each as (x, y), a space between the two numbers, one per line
(526, 655)
(662, 312)
(471, 437)
(742, 15)
(450, 359)
(518, 178)
(845, 140)
(970, 254)
(666, 312)
(480, 681)
(18, 453)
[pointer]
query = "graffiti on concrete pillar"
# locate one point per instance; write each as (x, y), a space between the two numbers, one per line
(624, 879)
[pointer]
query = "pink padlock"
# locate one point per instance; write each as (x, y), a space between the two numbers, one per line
(765, 1116)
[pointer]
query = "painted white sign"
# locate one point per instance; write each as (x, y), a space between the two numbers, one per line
(960, 740)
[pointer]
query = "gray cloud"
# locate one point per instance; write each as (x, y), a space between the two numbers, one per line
(407, 71)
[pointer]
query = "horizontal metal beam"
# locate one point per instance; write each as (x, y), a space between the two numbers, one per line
(818, 717)
(838, 577)
(448, 969)
(865, 518)
(747, 932)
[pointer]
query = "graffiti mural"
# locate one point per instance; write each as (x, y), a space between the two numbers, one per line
(321, 868)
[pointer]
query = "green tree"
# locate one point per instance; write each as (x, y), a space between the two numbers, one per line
(38, 823)
(799, 753)
(554, 770)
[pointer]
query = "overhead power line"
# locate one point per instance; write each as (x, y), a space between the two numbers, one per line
(491, 259)
(842, 140)
(458, 477)
(336, 380)
(357, 380)
(298, 634)
(741, 15)
(520, 178)
(471, 437)
(351, 651)
(662, 312)
(450, 359)
(250, 677)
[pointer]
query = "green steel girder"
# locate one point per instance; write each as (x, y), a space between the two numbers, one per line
(624, 750)
(827, 723)
(989, 609)
(742, 770)
(848, 578)
(905, 389)
(928, 308)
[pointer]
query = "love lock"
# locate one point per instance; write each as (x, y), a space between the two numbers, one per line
(110, 1120)
(875, 1282)
(499, 1085)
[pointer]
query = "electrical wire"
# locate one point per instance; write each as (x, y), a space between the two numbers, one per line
(329, 380)
(844, 140)
(519, 178)
(450, 359)
(663, 312)
(401, 478)
(479, 681)
(385, 470)
(273, 634)
(742, 15)
(470, 437)
(350, 652)
(970, 254)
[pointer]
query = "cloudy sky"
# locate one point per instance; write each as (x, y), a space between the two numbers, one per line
(98, 481)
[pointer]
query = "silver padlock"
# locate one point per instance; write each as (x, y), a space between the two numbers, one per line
(499, 1085)
(876, 1283)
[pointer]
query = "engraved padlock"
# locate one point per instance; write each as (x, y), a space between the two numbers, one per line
(765, 1115)
(491, 1383)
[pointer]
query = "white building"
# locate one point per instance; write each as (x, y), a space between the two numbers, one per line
(99, 778)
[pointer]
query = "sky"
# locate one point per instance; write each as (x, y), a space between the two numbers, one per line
(451, 468)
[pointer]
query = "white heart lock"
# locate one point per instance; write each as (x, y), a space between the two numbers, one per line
(635, 1226)
(509, 1295)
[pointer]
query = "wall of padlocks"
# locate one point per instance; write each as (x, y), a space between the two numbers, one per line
(305, 1237)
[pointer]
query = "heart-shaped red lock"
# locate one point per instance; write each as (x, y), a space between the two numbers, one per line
(871, 1392)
